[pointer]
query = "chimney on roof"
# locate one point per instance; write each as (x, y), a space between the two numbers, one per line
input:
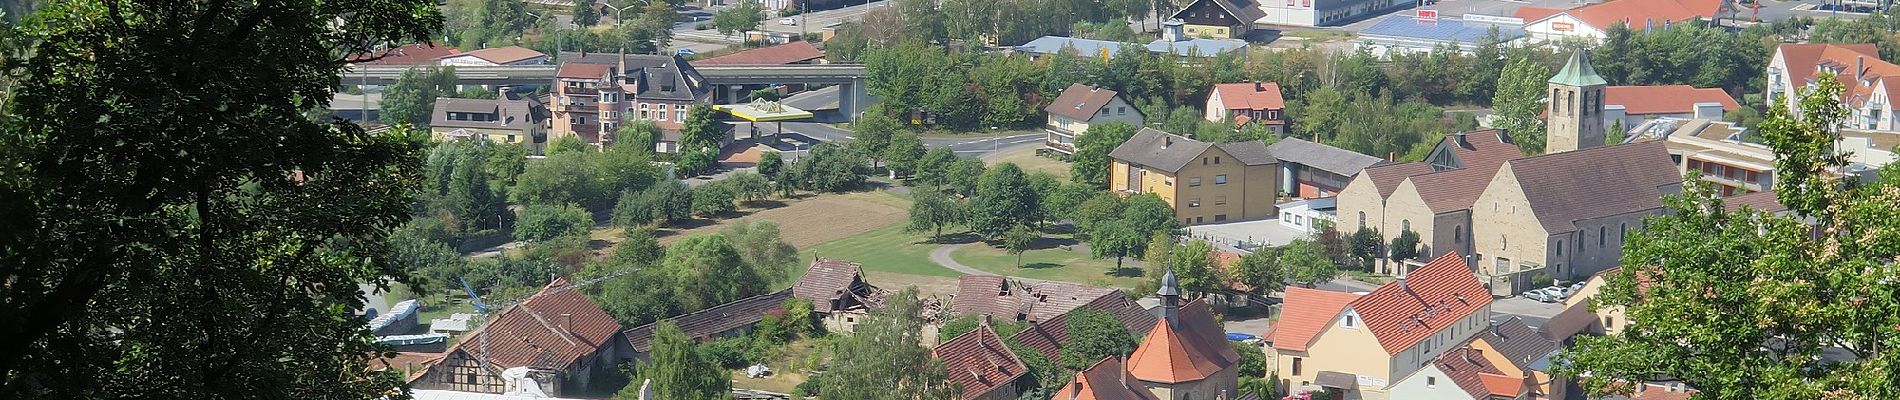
(1495, 331)
(1257, 87)
(1402, 285)
(567, 322)
(1860, 66)
(1467, 354)
(502, 92)
(1124, 372)
(983, 320)
(1166, 140)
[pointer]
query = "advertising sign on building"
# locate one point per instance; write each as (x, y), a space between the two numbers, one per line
(1562, 26)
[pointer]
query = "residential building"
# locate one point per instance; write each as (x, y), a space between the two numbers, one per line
(1106, 380)
(1308, 215)
(1081, 106)
(1186, 355)
(1574, 118)
(1715, 150)
(1052, 45)
(495, 56)
(1404, 34)
(557, 337)
(1520, 350)
(595, 93)
(1204, 182)
(1871, 84)
(724, 320)
(1604, 319)
(838, 294)
(1311, 170)
(1590, 21)
(1360, 346)
(1248, 102)
(1632, 105)
(1219, 19)
(1567, 212)
(1314, 13)
(1867, 150)
(1464, 373)
(506, 119)
(1430, 198)
(981, 364)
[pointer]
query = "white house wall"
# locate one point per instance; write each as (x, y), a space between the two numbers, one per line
(1558, 27)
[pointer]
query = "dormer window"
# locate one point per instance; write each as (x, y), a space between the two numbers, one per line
(1349, 320)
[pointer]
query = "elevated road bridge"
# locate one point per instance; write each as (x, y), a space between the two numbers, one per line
(727, 80)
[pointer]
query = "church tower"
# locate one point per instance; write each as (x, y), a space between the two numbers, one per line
(1575, 115)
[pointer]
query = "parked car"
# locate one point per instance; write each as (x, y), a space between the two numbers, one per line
(788, 21)
(685, 52)
(1544, 295)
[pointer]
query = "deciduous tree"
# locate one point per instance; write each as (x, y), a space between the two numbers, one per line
(1519, 103)
(1094, 335)
(883, 361)
(165, 203)
(540, 222)
(679, 369)
(1004, 199)
(1305, 264)
(1018, 240)
(1090, 162)
(932, 210)
(1752, 305)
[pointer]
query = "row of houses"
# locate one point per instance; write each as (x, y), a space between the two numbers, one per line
(559, 341)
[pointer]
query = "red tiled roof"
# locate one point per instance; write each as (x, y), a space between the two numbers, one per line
(1622, 179)
(1804, 60)
(575, 70)
(1195, 351)
(1485, 149)
(1012, 301)
(413, 365)
(503, 55)
(1660, 392)
(828, 281)
(555, 328)
(1250, 96)
(1081, 102)
(1106, 380)
(1305, 313)
(1466, 367)
(1761, 201)
(414, 54)
(1638, 13)
(1665, 99)
(1500, 385)
(1387, 177)
(1047, 336)
(1453, 190)
(788, 53)
(1529, 13)
(1432, 297)
(980, 362)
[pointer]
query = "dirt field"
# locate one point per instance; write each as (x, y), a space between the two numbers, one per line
(1025, 157)
(814, 219)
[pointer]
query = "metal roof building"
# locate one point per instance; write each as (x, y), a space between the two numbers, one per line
(1411, 33)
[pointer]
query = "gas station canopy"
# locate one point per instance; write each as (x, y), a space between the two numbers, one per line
(760, 110)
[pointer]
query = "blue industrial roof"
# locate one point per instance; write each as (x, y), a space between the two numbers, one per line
(1206, 47)
(1442, 30)
(1085, 47)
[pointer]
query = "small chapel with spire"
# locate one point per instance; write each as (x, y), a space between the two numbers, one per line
(1574, 119)
(1185, 355)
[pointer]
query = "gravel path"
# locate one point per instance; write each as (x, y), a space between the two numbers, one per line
(941, 256)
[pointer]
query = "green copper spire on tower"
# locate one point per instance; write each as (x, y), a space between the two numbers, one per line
(1578, 72)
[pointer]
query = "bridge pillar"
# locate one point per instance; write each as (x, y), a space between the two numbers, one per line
(851, 98)
(735, 94)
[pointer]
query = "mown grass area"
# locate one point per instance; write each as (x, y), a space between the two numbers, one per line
(1026, 158)
(1053, 259)
(887, 249)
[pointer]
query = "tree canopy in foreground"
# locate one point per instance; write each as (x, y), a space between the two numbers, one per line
(1751, 305)
(175, 226)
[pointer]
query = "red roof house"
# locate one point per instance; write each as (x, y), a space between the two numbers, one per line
(981, 364)
(1106, 380)
(1665, 99)
(1247, 102)
(557, 329)
(1186, 352)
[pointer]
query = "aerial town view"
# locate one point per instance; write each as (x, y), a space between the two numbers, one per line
(950, 199)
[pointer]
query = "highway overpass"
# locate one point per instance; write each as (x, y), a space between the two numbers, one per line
(848, 77)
